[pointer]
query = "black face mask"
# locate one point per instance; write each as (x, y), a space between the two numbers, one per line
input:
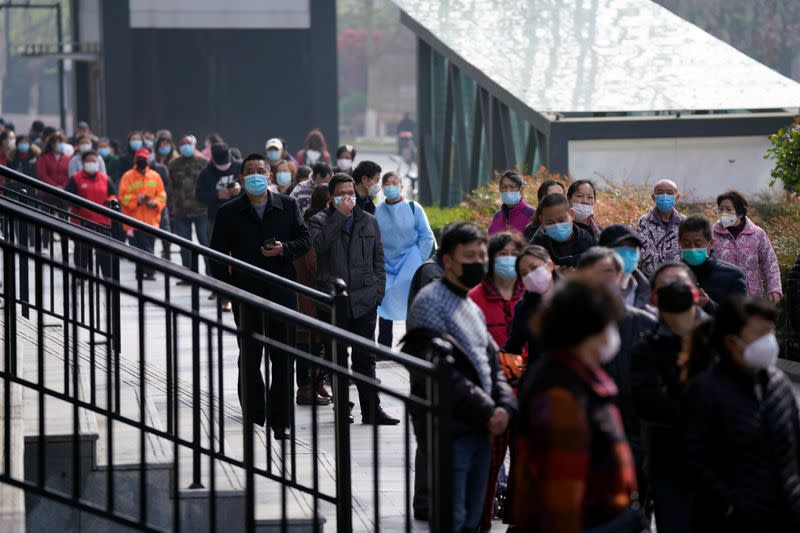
(141, 164)
(472, 274)
(676, 297)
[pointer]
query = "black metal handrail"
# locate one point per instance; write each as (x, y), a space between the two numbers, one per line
(267, 277)
(205, 443)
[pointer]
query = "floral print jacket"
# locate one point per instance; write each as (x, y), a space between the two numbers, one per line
(752, 252)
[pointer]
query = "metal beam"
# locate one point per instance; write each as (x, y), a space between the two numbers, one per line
(461, 145)
(447, 141)
(427, 168)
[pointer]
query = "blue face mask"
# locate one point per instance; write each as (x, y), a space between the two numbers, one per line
(630, 258)
(165, 150)
(104, 151)
(135, 145)
(151, 157)
(59, 148)
(694, 256)
(256, 184)
(560, 231)
(665, 202)
(511, 198)
(391, 192)
(274, 155)
(283, 178)
(187, 150)
(505, 266)
(23, 148)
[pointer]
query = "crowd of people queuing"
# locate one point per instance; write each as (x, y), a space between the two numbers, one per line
(627, 372)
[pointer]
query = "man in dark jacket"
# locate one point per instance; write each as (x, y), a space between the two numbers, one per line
(218, 182)
(367, 176)
(266, 231)
(349, 247)
(716, 279)
(793, 291)
(624, 241)
(482, 399)
(558, 234)
(657, 387)
(189, 211)
(429, 271)
(743, 431)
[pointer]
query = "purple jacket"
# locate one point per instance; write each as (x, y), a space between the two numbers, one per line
(515, 218)
(753, 253)
(660, 243)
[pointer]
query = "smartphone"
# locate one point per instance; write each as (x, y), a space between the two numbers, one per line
(231, 185)
(269, 243)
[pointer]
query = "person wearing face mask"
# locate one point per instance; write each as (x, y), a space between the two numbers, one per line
(574, 468)
(218, 182)
(165, 151)
(23, 157)
(558, 234)
(184, 172)
(635, 285)
(315, 150)
(135, 141)
(349, 246)
(367, 176)
(497, 296)
(514, 213)
(658, 229)
(716, 279)
(266, 230)
(110, 160)
(345, 156)
(740, 242)
(582, 196)
(657, 389)
(482, 400)
(411, 243)
(274, 151)
(546, 187)
(94, 185)
(142, 196)
(8, 143)
(283, 181)
(53, 164)
(604, 266)
(743, 428)
(84, 144)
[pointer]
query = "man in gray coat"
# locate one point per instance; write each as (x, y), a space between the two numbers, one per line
(348, 244)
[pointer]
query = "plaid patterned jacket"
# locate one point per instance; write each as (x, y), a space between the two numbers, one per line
(574, 468)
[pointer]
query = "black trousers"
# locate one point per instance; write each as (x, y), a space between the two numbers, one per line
(277, 408)
(307, 374)
(85, 259)
(146, 242)
(363, 362)
(385, 332)
(421, 501)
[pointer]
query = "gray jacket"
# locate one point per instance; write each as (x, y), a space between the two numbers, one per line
(357, 257)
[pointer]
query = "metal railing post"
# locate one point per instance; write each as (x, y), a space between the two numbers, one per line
(341, 396)
(118, 233)
(440, 470)
(247, 425)
(196, 399)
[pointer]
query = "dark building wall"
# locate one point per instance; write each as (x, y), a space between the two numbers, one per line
(247, 84)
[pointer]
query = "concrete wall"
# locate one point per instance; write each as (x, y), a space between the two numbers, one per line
(703, 166)
(267, 69)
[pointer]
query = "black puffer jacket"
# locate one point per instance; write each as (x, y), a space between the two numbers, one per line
(743, 438)
(472, 407)
(568, 252)
(720, 280)
(793, 291)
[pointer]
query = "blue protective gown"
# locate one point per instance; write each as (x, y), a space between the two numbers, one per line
(407, 242)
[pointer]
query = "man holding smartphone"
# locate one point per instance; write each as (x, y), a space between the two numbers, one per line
(266, 230)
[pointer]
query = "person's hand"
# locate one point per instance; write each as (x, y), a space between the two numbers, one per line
(703, 297)
(499, 422)
(151, 204)
(775, 297)
(346, 205)
(273, 251)
(141, 199)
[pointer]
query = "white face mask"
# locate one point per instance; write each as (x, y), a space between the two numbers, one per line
(582, 211)
(344, 164)
(85, 147)
(312, 156)
(91, 167)
(610, 349)
(727, 220)
(762, 353)
(374, 190)
(537, 280)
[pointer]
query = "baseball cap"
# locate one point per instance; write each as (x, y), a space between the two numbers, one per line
(614, 234)
(142, 152)
(274, 143)
(220, 154)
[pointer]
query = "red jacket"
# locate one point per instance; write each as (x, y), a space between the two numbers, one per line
(97, 189)
(497, 311)
(53, 171)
